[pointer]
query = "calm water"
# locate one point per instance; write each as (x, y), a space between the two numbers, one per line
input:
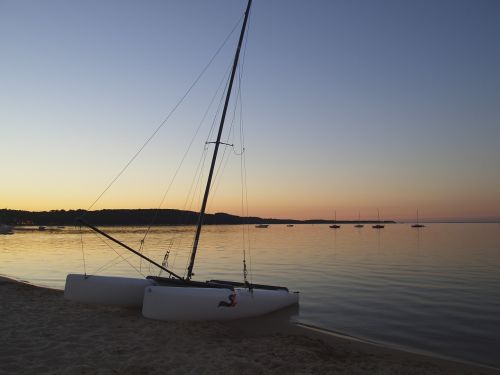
(435, 289)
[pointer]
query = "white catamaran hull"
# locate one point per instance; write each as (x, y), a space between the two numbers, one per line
(178, 303)
(179, 298)
(106, 290)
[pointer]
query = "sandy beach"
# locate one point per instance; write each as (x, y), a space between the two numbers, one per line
(42, 333)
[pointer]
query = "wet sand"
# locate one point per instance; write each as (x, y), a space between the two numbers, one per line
(42, 333)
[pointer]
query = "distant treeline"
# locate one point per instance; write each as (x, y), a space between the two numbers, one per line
(141, 217)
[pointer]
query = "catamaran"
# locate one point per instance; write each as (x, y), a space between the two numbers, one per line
(181, 298)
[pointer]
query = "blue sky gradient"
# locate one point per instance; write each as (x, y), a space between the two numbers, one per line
(351, 105)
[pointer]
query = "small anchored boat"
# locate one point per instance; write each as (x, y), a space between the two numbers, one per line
(335, 225)
(379, 225)
(417, 225)
(359, 225)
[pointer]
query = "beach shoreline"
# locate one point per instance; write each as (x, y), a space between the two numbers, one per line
(44, 333)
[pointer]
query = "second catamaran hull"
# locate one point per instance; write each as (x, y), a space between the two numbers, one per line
(106, 290)
(178, 303)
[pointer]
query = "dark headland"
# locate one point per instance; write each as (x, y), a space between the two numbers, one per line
(144, 217)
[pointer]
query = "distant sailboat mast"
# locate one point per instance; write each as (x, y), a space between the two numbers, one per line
(418, 225)
(335, 225)
(379, 225)
(359, 225)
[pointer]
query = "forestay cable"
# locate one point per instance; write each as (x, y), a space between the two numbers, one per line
(166, 118)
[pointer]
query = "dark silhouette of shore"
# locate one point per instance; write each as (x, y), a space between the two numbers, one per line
(140, 217)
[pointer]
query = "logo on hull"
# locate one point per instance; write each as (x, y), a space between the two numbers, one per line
(231, 303)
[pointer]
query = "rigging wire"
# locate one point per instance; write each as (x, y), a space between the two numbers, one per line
(241, 154)
(221, 165)
(231, 133)
(199, 186)
(224, 161)
(148, 140)
(142, 250)
(199, 189)
(113, 262)
(243, 171)
(166, 118)
(243, 186)
(201, 162)
(120, 255)
(141, 247)
(196, 182)
(193, 188)
(198, 177)
(184, 157)
(83, 253)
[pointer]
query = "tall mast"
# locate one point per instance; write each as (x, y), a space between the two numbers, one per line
(217, 143)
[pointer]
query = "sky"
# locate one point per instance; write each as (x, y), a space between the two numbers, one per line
(347, 106)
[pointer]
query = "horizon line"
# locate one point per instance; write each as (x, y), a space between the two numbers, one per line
(464, 220)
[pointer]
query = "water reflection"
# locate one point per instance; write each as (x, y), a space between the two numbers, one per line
(433, 288)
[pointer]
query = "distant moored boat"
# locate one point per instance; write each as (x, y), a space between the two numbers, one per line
(417, 225)
(335, 225)
(379, 225)
(359, 225)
